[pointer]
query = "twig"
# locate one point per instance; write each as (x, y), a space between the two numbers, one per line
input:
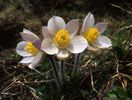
(127, 11)
(125, 27)
(125, 75)
(117, 68)
(92, 83)
(34, 82)
(38, 72)
(86, 63)
(34, 93)
(3, 65)
(62, 98)
(11, 94)
(118, 73)
(8, 87)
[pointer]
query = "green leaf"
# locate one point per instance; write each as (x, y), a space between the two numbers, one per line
(112, 94)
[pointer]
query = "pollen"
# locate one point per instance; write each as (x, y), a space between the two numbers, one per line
(62, 38)
(30, 48)
(91, 35)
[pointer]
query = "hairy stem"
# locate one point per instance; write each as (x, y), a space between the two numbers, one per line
(54, 66)
(75, 66)
(62, 69)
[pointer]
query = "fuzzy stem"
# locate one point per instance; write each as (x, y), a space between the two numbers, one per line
(62, 70)
(75, 66)
(54, 66)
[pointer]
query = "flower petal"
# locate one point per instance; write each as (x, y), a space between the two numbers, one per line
(37, 59)
(20, 49)
(45, 32)
(101, 27)
(73, 26)
(27, 31)
(29, 36)
(27, 60)
(55, 23)
(37, 44)
(49, 47)
(78, 44)
(88, 22)
(62, 54)
(103, 42)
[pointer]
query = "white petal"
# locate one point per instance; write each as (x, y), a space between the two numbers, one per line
(20, 49)
(73, 26)
(45, 32)
(62, 54)
(55, 23)
(88, 22)
(78, 44)
(27, 31)
(101, 27)
(29, 37)
(27, 60)
(103, 42)
(49, 47)
(37, 60)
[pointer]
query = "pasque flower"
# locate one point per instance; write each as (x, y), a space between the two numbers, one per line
(93, 33)
(30, 49)
(60, 39)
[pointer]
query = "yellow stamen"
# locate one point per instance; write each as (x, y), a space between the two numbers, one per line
(62, 38)
(91, 35)
(30, 48)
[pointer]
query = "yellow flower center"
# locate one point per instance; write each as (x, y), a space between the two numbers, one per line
(62, 38)
(91, 35)
(30, 48)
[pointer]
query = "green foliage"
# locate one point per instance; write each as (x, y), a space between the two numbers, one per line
(121, 42)
(118, 93)
(16, 57)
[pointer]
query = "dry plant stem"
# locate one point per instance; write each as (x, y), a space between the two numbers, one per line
(118, 73)
(125, 27)
(54, 66)
(76, 63)
(117, 68)
(62, 98)
(127, 11)
(92, 83)
(34, 82)
(9, 86)
(33, 92)
(38, 71)
(125, 75)
(86, 64)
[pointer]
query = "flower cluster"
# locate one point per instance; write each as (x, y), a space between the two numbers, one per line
(61, 39)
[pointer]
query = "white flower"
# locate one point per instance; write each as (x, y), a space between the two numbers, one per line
(29, 49)
(93, 33)
(60, 38)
